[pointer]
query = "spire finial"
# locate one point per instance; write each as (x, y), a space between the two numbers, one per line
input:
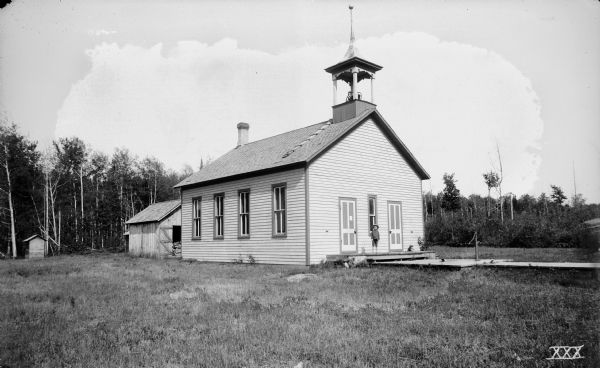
(351, 24)
(352, 51)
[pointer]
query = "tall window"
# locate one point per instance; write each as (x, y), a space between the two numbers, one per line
(372, 211)
(218, 211)
(244, 213)
(196, 217)
(279, 210)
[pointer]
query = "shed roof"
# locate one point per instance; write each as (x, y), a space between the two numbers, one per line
(33, 237)
(155, 212)
(294, 148)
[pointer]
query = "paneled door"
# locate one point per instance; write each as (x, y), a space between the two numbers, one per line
(395, 225)
(348, 225)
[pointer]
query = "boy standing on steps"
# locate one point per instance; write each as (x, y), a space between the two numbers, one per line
(375, 236)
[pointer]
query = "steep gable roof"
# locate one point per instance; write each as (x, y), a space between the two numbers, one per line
(155, 212)
(295, 148)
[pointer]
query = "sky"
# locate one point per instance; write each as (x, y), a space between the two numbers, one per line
(461, 79)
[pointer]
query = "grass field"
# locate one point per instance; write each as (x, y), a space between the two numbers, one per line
(114, 310)
(520, 254)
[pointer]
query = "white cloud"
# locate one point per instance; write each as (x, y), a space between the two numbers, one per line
(449, 102)
(100, 32)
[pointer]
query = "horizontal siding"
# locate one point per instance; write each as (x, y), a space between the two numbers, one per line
(261, 245)
(363, 163)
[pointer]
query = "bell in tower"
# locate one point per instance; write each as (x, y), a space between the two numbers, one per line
(352, 69)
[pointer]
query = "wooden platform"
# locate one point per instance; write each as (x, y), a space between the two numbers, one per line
(464, 263)
(384, 257)
(557, 265)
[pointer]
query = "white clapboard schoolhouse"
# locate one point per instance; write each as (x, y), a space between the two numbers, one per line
(297, 197)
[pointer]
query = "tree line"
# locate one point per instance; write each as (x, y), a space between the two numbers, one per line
(78, 197)
(506, 220)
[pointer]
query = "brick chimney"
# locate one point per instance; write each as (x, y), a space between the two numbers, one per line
(242, 133)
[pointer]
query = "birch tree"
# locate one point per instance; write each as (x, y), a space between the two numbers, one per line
(71, 157)
(500, 179)
(8, 191)
(18, 164)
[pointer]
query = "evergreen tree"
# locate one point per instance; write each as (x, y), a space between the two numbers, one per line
(558, 196)
(451, 194)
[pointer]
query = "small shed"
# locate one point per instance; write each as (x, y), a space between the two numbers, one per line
(156, 231)
(36, 247)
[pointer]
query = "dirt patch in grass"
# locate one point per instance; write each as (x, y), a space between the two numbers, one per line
(115, 310)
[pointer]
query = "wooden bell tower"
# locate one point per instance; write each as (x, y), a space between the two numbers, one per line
(352, 69)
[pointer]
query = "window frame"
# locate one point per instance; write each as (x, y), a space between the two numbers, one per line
(197, 200)
(375, 214)
(240, 214)
(221, 216)
(274, 211)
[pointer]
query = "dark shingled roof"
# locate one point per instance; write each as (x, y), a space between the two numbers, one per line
(284, 150)
(155, 212)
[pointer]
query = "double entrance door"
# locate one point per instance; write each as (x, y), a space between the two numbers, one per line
(349, 227)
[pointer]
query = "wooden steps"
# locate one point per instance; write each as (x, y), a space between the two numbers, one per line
(383, 257)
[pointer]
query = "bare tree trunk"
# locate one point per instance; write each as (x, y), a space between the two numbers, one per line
(500, 183)
(501, 208)
(75, 215)
(46, 215)
(488, 201)
(120, 202)
(155, 185)
(512, 216)
(13, 238)
(81, 188)
(53, 208)
(59, 218)
(96, 231)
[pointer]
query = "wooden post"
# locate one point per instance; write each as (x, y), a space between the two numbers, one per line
(354, 83)
(372, 91)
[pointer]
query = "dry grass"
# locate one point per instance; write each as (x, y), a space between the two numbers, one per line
(115, 310)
